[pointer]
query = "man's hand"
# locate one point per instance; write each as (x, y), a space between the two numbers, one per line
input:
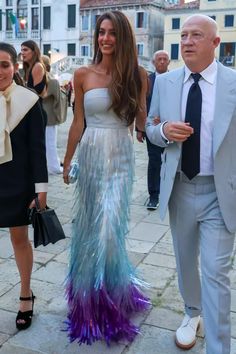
(177, 131)
(156, 121)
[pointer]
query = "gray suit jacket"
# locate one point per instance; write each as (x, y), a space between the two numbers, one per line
(166, 103)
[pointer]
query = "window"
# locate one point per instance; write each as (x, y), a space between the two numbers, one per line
(229, 20)
(140, 49)
(0, 20)
(46, 17)
(175, 23)
(84, 51)
(85, 22)
(227, 53)
(213, 17)
(47, 49)
(174, 52)
(71, 16)
(8, 20)
(35, 18)
(9, 3)
(141, 20)
(94, 20)
(35, 2)
(71, 49)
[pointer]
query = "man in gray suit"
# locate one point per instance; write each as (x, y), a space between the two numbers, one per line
(202, 206)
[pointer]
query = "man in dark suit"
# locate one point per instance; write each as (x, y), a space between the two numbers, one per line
(160, 61)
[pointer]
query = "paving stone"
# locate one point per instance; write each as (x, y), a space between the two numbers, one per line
(157, 277)
(7, 323)
(233, 300)
(42, 257)
(171, 297)
(233, 346)
(56, 248)
(63, 257)
(54, 272)
(9, 273)
(161, 260)
(156, 340)
(148, 232)
(12, 349)
(3, 339)
(154, 217)
(6, 249)
(53, 340)
(138, 246)
(164, 248)
(135, 258)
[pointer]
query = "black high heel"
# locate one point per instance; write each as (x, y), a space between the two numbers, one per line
(26, 316)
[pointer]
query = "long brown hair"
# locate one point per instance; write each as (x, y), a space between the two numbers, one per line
(125, 86)
(36, 57)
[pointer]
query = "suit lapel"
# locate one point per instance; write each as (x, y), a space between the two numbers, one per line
(224, 106)
(175, 87)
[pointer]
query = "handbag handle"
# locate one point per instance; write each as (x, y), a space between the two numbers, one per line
(37, 203)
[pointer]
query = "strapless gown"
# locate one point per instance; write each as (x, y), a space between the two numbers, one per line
(102, 287)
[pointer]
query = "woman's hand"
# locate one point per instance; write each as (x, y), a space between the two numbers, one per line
(42, 197)
(66, 170)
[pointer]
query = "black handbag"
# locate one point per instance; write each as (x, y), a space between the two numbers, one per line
(47, 227)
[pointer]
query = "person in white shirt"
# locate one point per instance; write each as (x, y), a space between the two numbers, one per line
(196, 105)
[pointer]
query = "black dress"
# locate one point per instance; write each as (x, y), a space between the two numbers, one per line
(38, 89)
(28, 166)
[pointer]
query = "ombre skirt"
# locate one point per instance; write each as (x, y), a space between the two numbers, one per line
(102, 287)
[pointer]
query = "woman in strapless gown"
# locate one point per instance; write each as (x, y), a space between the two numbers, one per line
(103, 289)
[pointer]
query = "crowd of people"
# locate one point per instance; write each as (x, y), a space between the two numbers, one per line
(189, 132)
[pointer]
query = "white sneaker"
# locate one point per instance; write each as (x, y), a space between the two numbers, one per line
(185, 337)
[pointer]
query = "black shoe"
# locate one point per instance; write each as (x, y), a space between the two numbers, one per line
(26, 316)
(153, 203)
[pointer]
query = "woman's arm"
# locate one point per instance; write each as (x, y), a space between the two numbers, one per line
(38, 73)
(142, 114)
(77, 125)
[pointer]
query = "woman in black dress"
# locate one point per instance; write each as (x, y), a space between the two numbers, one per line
(23, 170)
(34, 70)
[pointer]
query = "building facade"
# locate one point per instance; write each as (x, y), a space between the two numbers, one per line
(52, 24)
(222, 11)
(145, 16)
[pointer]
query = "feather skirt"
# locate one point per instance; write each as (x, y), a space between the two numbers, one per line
(102, 288)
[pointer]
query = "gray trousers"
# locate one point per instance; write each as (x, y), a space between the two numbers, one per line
(198, 228)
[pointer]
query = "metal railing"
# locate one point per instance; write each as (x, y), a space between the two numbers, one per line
(228, 60)
(69, 63)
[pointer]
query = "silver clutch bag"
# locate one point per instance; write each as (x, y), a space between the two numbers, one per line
(73, 173)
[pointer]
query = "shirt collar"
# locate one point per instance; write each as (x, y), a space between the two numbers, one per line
(209, 74)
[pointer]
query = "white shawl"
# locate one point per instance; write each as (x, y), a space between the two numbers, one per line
(15, 102)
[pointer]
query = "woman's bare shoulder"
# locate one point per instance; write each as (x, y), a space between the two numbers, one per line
(142, 71)
(37, 67)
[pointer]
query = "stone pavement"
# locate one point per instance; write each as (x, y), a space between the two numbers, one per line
(150, 248)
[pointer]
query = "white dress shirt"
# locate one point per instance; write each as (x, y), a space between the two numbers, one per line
(208, 87)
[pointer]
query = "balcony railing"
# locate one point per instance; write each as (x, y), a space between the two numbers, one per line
(9, 34)
(72, 62)
(68, 63)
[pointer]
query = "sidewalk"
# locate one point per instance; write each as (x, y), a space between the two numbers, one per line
(150, 249)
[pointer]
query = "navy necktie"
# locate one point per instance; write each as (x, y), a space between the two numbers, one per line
(191, 147)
